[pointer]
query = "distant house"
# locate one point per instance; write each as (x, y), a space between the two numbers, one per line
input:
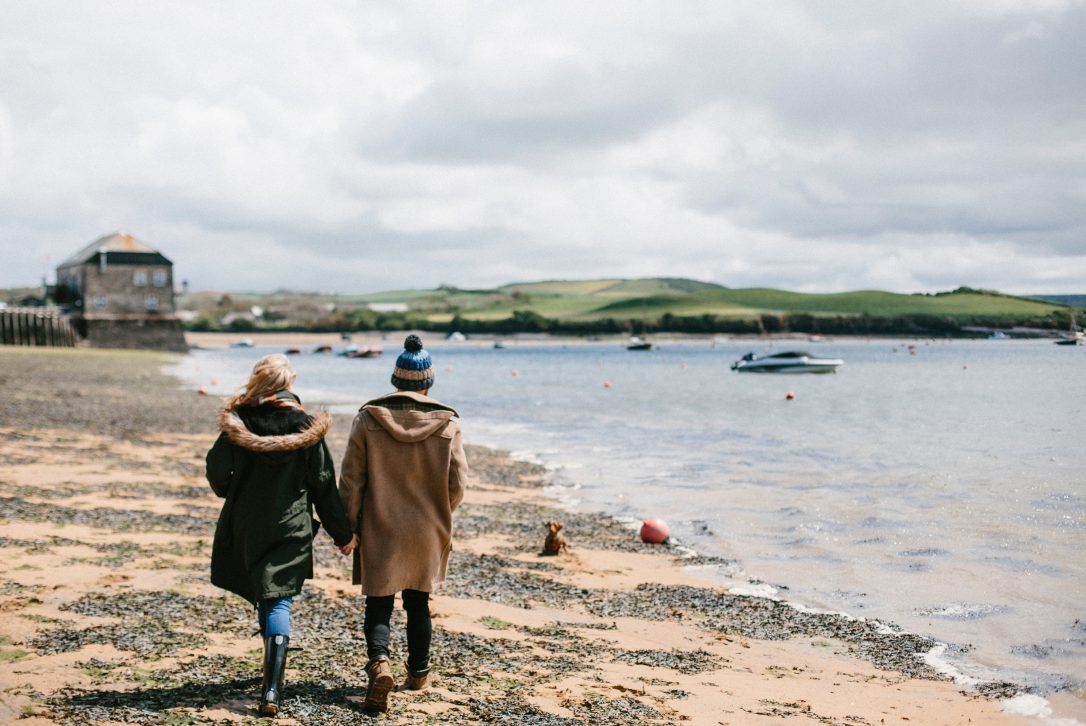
(119, 292)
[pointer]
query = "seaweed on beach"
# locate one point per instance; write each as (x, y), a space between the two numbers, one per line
(113, 489)
(498, 467)
(116, 558)
(499, 579)
(146, 638)
(11, 587)
(123, 396)
(767, 619)
(597, 709)
(687, 662)
(218, 614)
(514, 710)
(326, 680)
(119, 520)
(150, 623)
(39, 545)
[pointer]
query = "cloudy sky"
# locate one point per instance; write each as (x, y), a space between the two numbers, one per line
(359, 146)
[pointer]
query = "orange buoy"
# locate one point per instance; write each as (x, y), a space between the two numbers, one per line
(214, 381)
(514, 373)
(789, 396)
(655, 531)
(607, 384)
(202, 390)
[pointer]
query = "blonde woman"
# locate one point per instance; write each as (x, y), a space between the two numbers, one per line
(272, 466)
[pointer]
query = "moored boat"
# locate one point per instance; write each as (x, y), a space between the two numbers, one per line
(637, 343)
(793, 361)
(353, 351)
(1074, 336)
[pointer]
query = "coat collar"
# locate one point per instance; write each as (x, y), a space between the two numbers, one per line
(234, 428)
(410, 396)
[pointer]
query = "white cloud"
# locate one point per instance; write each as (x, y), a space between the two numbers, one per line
(815, 147)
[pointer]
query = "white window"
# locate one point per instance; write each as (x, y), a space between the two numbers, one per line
(100, 301)
(151, 302)
(159, 278)
(139, 278)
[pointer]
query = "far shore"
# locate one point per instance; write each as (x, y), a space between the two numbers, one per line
(391, 341)
(105, 525)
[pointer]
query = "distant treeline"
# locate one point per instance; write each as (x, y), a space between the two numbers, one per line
(525, 321)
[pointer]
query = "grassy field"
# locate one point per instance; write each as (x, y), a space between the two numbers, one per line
(651, 299)
(646, 300)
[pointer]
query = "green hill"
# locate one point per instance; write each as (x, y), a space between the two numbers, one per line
(615, 305)
(651, 299)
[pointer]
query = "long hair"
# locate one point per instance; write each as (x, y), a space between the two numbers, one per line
(271, 374)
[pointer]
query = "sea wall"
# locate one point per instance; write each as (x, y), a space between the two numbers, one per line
(148, 333)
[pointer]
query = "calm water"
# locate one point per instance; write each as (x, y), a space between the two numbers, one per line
(941, 490)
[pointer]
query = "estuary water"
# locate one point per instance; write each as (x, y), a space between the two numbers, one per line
(940, 487)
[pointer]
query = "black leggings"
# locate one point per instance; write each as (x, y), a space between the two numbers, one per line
(419, 628)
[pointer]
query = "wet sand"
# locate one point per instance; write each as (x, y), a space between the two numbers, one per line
(105, 529)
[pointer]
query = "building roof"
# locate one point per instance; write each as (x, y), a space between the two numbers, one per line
(113, 244)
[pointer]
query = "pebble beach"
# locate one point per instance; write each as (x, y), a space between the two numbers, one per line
(106, 524)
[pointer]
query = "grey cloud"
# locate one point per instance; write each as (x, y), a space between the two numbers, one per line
(478, 144)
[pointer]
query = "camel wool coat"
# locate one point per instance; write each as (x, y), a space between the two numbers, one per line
(402, 478)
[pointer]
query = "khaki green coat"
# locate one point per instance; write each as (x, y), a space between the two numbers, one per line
(272, 480)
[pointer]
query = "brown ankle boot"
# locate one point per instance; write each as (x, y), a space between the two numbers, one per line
(381, 683)
(416, 682)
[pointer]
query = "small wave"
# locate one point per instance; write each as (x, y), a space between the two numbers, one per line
(1037, 651)
(924, 552)
(1030, 705)
(1018, 564)
(962, 611)
(753, 589)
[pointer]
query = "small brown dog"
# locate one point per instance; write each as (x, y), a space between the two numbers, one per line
(556, 541)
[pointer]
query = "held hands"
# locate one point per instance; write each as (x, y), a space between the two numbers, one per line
(350, 546)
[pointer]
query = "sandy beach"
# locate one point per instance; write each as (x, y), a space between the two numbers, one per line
(106, 524)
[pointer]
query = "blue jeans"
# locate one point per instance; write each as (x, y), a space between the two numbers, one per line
(274, 615)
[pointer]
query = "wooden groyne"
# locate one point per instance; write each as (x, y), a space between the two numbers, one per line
(36, 327)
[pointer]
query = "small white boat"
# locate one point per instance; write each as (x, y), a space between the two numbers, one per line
(1074, 336)
(793, 361)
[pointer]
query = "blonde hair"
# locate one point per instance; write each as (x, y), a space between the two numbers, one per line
(271, 374)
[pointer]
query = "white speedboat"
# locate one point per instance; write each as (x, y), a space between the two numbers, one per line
(792, 361)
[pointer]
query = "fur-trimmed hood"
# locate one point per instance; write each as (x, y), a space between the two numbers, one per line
(238, 433)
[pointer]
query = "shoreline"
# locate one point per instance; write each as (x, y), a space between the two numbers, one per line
(391, 339)
(615, 631)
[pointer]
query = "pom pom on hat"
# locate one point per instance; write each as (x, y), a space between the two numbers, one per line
(414, 368)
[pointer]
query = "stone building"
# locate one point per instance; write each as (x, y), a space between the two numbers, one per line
(119, 293)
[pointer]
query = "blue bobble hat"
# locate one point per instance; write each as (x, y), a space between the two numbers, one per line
(414, 370)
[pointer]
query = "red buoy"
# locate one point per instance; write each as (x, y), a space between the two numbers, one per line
(789, 396)
(201, 391)
(655, 531)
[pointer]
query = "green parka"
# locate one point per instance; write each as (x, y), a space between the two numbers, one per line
(272, 466)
